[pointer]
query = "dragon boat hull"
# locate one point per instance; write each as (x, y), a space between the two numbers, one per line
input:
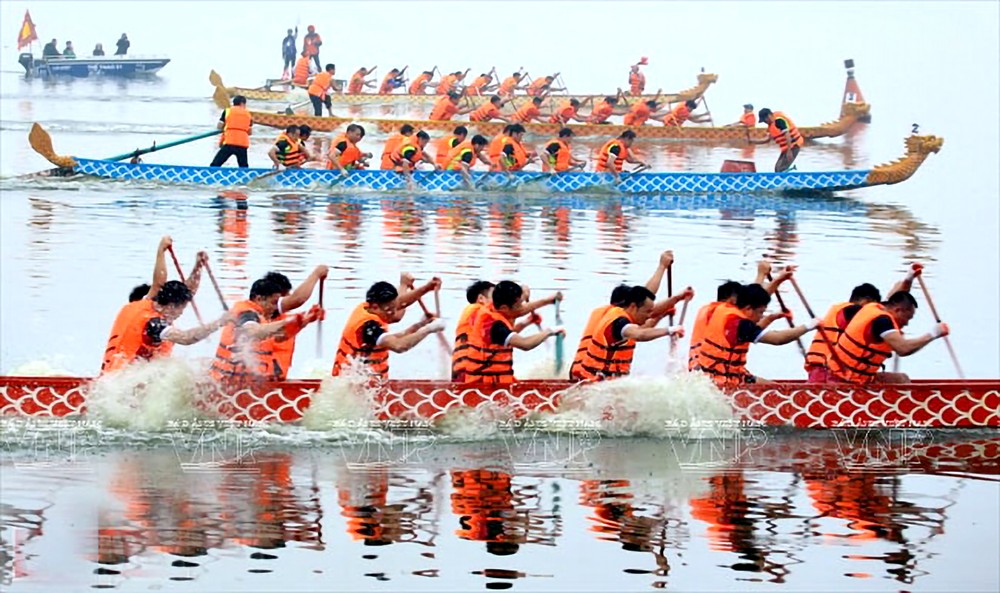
(924, 404)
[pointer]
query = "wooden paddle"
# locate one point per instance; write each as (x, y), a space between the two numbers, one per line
(319, 323)
(180, 273)
(784, 309)
(441, 338)
(822, 332)
(937, 318)
(215, 283)
(560, 338)
(670, 318)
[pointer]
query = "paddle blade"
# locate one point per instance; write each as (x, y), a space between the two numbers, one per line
(41, 142)
(215, 79)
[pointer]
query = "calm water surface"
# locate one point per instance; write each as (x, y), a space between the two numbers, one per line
(135, 505)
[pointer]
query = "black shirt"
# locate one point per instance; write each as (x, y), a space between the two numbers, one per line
(371, 331)
(617, 327)
(880, 325)
(153, 333)
(747, 332)
(499, 333)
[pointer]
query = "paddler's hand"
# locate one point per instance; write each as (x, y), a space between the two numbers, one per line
(434, 283)
(406, 280)
(535, 319)
(763, 268)
(666, 259)
(556, 331)
(166, 243)
(785, 273)
(688, 294)
(812, 323)
(558, 296)
(315, 313)
(676, 331)
(321, 271)
(435, 326)
(940, 330)
(915, 270)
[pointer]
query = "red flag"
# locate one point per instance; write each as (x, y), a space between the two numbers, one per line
(27, 34)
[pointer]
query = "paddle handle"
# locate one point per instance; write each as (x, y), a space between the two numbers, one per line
(820, 329)
(441, 338)
(784, 309)
(670, 289)
(319, 324)
(559, 337)
(154, 147)
(215, 283)
(180, 273)
(937, 318)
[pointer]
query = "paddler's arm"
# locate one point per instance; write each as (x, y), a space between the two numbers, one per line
(335, 159)
(259, 331)
(533, 341)
(646, 334)
(666, 260)
(907, 282)
(303, 292)
(160, 266)
(763, 269)
(194, 279)
(904, 346)
(401, 342)
(663, 308)
(186, 337)
(222, 121)
(785, 274)
(779, 337)
(405, 300)
(532, 306)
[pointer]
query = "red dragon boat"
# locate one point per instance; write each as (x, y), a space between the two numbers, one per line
(920, 404)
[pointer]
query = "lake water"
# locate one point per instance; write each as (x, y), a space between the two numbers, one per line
(135, 504)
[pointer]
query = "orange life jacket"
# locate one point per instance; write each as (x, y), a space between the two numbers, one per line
(749, 120)
(357, 83)
(349, 157)
(698, 330)
(588, 335)
(723, 360)
(563, 114)
(446, 84)
(236, 128)
(456, 154)
(819, 352)
(602, 112)
(485, 112)
(476, 86)
(779, 135)
(443, 110)
(637, 114)
(419, 84)
(603, 358)
(537, 86)
(507, 86)
(408, 150)
(126, 343)
(605, 154)
(488, 363)
(293, 156)
(460, 362)
(352, 345)
(526, 113)
(283, 347)
(636, 82)
(231, 362)
(386, 87)
(443, 147)
(310, 44)
(320, 84)
(559, 161)
(857, 357)
(514, 162)
(301, 70)
(391, 144)
(677, 116)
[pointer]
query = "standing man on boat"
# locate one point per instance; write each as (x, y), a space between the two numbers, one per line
(636, 80)
(783, 132)
(288, 51)
(122, 44)
(366, 338)
(143, 329)
(320, 89)
(875, 332)
(236, 124)
(311, 44)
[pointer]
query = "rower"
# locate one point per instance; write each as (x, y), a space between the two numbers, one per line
(479, 296)
(542, 86)
(615, 153)
(245, 351)
(236, 124)
(358, 82)
(618, 296)
(640, 112)
(392, 143)
(492, 339)
(282, 344)
(305, 132)
(392, 81)
(344, 153)
(609, 352)
(449, 82)
(447, 107)
(302, 70)
(506, 152)
(445, 144)
(143, 328)
(287, 150)
(480, 86)
(783, 132)
(366, 339)
(510, 85)
(875, 332)
(839, 316)
(529, 112)
(747, 120)
(684, 112)
(567, 112)
(421, 82)
(636, 81)
(731, 331)
(558, 156)
(726, 295)
(320, 89)
(463, 157)
(489, 111)
(411, 152)
(602, 111)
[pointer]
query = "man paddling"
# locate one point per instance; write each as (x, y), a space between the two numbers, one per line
(615, 153)
(287, 151)
(366, 339)
(359, 82)
(837, 319)
(320, 89)
(747, 120)
(875, 332)
(558, 155)
(489, 111)
(392, 143)
(492, 339)
(144, 330)
(444, 145)
(447, 107)
(421, 82)
(464, 156)
(683, 113)
(236, 124)
(344, 152)
(782, 131)
(392, 81)
(282, 344)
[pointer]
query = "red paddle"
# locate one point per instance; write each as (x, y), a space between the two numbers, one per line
(319, 324)
(937, 318)
(784, 309)
(180, 273)
(215, 283)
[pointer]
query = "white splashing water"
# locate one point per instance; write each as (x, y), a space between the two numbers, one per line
(343, 402)
(39, 368)
(146, 395)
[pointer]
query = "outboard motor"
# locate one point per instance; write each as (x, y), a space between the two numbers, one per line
(28, 61)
